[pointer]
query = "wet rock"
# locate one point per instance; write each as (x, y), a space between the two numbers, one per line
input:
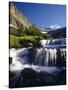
(10, 60)
(62, 77)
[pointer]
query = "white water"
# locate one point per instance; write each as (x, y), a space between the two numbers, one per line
(42, 57)
(44, 60)
(53, 43)
(45, 56)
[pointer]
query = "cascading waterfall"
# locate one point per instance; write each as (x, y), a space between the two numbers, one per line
(45, 56)
(49, 57)
(53, 43)
(42, 57)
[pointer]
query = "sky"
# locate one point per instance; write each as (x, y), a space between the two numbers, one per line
(44, 15)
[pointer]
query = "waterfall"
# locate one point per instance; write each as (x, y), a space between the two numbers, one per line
(48, 55)
(50, 59)
(53, 56)
(53, 43)
(42, 56)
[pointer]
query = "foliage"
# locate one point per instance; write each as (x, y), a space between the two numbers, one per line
(17, 32)
(13, 31)
(33, 30)
(14, 42)
(18, 42)
(46, 36)
(21, 31)
(21, 37)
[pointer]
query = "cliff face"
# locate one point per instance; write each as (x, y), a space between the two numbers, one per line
(16, 17)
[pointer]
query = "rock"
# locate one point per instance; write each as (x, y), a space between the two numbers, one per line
(16, 17)
(10, 60)
(29, 74)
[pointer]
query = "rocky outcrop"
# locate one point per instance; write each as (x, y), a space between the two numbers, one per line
(16, 18)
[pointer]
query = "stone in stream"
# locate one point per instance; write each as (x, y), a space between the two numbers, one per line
(28, 78)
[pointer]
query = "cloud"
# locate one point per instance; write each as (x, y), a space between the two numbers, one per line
(56, 26)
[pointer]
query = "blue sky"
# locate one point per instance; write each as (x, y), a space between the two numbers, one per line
(44, 15)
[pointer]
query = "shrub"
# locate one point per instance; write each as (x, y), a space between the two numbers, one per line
(23, 31)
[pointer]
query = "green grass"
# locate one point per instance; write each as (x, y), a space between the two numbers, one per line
(17, 42)
(14, 41)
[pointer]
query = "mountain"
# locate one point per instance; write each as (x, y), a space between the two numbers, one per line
(58, 33)
(16, 18)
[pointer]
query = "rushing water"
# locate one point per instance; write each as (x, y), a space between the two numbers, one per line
(50, 58)
(41, 57)
(54, 43)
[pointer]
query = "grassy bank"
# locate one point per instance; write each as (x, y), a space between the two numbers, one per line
(18, 42)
